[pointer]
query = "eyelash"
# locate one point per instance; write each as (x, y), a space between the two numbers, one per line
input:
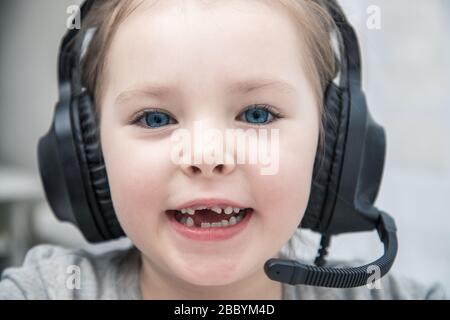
(275, 114)
(140, 116)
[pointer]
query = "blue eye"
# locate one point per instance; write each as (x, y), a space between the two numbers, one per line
(256, 114)
(261, 114)
(153, 119)
(156, 119)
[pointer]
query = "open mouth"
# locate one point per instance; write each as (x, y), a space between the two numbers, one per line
(210, 218)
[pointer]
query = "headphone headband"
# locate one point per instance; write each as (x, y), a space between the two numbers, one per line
(68, 48)
(352, 57)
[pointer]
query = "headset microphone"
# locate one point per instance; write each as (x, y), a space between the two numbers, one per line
(293, 272)
(346, 176)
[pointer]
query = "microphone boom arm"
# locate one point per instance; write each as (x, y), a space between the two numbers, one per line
(294, 272)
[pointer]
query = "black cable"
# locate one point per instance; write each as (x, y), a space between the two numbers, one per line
(323, 250)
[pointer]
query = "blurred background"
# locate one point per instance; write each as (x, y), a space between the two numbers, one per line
(406, 70)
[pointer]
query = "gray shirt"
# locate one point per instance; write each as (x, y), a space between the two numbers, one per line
(50, 272)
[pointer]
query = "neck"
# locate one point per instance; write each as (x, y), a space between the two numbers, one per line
(157, 285)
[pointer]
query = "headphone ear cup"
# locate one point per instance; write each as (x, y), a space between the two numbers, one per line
(328, 162)
(97, 186)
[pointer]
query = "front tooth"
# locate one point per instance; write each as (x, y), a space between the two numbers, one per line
(228, 210)
(183, 211)
(236, 210)
(189, 222)
(224, 223)
(216, 224)
(201, 208)
(205, 225)
(216, 209)
(190, 211)
(232, 221)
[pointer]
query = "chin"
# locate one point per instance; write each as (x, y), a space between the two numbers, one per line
(213, 276)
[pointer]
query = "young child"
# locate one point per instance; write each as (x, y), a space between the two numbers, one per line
(158, 66)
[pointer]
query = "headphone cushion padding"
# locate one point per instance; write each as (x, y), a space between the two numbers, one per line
(326, 169)
(96, 166)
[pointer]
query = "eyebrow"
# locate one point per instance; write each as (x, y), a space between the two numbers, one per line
(154, 90)
(247, 86)
(243, 87)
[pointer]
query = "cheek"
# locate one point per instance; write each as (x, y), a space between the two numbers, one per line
(283, 197)
(136, 171)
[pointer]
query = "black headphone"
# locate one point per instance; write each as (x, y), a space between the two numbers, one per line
(346, 176)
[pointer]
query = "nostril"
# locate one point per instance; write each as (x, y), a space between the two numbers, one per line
(195, 169)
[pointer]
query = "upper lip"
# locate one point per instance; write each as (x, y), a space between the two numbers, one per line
(209, 203)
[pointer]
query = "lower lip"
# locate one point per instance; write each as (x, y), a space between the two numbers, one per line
(210, 234)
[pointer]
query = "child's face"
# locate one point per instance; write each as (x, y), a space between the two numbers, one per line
(200, 51)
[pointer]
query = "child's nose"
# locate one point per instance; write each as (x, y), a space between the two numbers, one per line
(207, 170)
(210, 152)
(209, 159)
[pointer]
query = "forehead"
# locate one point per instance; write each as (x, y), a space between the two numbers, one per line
(204, 40)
